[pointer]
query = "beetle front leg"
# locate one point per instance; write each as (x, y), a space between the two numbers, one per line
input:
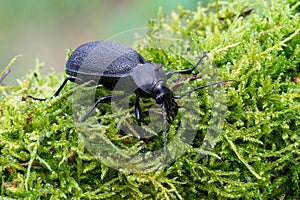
(70, 78)
(138, 117)
(187, 71)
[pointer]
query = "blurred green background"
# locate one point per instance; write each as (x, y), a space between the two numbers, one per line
(46, 29)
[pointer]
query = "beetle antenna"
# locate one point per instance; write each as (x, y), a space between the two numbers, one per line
(163, 107)
(201, 87)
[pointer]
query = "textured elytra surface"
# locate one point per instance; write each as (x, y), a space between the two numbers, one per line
(103, 58)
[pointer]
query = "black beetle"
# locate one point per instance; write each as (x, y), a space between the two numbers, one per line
(107, 62)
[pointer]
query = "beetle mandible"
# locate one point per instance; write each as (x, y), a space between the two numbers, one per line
(107, 62)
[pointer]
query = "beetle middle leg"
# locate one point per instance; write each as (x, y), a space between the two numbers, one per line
(105, 99)
(137, 108)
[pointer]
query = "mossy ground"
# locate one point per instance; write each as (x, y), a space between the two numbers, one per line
(255, 157)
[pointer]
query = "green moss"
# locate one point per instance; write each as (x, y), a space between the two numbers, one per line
(256, 156)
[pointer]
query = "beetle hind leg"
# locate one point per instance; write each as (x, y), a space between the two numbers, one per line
(70, 78)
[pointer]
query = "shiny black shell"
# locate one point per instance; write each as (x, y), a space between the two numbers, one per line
(107, 62)
(103, 58)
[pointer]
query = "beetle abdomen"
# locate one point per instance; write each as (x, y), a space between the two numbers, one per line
(103, 58)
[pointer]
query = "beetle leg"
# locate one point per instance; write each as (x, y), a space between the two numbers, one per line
(105, 99)
(138, 117)
(4, 75)
(70, 78)
(187, 71)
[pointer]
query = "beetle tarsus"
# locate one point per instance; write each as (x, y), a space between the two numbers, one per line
(38, 99)
(4, 75)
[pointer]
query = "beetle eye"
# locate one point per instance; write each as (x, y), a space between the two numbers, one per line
(159, 99)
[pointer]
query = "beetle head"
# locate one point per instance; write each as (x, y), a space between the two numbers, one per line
(165, 97)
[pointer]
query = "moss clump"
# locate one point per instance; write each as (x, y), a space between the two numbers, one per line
(256, 156)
